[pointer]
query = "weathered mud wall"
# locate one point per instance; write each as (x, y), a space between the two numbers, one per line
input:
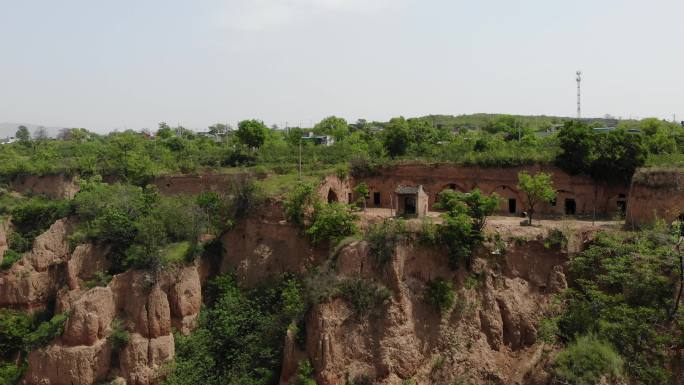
(266, 245)
(54, 186)
(489, 336)
(655, 194)
(581, 190)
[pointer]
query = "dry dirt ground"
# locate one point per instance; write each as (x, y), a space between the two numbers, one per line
(509, 225)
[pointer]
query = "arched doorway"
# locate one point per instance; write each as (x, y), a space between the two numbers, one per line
(332, 197)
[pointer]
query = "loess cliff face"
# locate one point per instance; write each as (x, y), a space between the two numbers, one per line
(4, 225)
(145, 305)
(489, 336)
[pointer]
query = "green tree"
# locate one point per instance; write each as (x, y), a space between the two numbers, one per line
(252, 133)
(332, 125)
(538, 189)
(396, 137)
(618, 154)
(164, 131)
(576, 143)
(23, 134)
(218, 129)
(239, 340)
(363, 193)
(464, 217)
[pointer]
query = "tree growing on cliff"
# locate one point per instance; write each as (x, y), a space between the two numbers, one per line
(538, 189)
(463, 220)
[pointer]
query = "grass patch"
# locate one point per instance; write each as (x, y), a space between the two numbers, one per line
(176, 253)
(9, 258)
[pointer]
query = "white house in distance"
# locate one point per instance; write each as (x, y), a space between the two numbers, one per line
(325, 140)
(8, 140)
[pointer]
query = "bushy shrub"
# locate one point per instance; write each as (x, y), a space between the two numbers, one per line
(46, 331)
(300, 203)
(363, 295)
(294, 304)
(100, 278)
(10, 373)
(622, 293)
(556, 239)
(138, 223)
(33, 216)
(9, 258)
(239, 339)
(463, 221)
(362, 193)
(548, 330)
(383, 238)
(440, 294)
(586, 360)
(15, 326)
(119, 337)
(332, 222)
(305, 373)
(362, 167)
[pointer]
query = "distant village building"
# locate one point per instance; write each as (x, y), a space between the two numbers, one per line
(8, 140)
(322, 140)
(411, 201)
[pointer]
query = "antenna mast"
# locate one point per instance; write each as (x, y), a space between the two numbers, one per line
(579, 103)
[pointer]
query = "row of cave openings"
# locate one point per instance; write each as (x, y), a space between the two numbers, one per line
(569, 204)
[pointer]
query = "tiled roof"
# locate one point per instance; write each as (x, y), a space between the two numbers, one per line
(408, 189)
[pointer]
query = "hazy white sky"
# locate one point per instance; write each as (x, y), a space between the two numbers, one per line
(134, 63)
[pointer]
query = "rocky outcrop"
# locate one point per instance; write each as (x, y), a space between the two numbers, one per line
(85, 262)
(146, 305)
(90, 317)
(489, 336)
(33, 280)
(142, 358)
(185, 300)
(58, 364)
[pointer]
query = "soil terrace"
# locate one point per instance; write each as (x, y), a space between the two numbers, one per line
(508, 225)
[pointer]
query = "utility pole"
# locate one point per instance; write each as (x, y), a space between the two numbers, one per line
(579, 102)
(300, 158)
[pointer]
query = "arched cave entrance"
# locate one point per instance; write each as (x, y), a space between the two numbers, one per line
(332, 197)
